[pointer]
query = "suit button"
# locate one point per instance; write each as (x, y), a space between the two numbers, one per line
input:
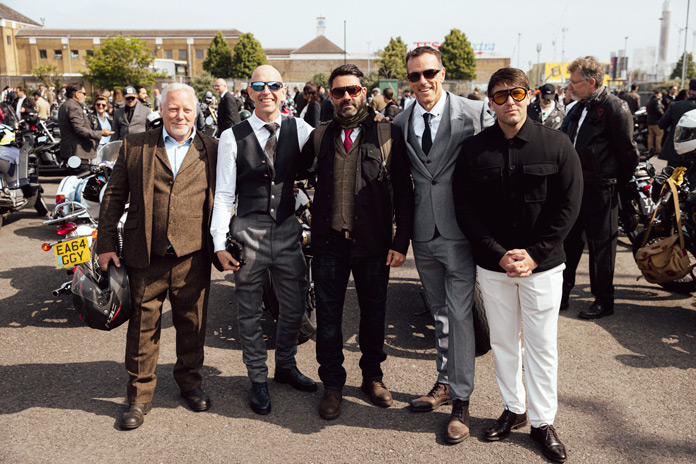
(512, 167)
(272, 196)
(171, 182)
(272, 210)
(265, 175)
(263, 162)
(428, 162)
(434, 182)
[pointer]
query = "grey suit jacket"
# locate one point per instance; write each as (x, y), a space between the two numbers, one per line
(433, 175)
(137, 123)
(76, 134)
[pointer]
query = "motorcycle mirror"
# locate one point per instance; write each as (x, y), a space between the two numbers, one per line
(209, 120)
(74, 162)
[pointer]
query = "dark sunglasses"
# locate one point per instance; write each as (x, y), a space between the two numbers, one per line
(100, 105)
(273, 86)
(339, 92)
(428, 74)
(130, 98)
(518, 94)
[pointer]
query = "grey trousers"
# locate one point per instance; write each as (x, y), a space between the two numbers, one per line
(448, 274)
(274, 247)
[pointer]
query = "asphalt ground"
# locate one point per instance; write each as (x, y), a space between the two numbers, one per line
(626, 382)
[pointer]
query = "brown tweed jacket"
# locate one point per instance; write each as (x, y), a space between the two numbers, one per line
(133, 177)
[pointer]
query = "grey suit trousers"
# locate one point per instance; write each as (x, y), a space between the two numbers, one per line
(274, 247)
(448, 274)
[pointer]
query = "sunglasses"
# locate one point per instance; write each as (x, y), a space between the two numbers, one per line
(130, 98)
(518, 94)
(273, 86)
(428, 74)
(100, 105)
(339, 92)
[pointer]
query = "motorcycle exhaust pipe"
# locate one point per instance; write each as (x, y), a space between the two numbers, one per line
(65, 288)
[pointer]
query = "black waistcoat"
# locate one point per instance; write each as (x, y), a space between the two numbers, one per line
(261, 189)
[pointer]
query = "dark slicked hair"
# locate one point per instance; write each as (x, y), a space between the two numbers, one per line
(72, 89)
(347, 70)
(511, 76)
(420, 51)
(589, 68)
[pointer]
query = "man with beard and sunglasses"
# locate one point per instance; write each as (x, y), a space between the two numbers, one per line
(257, 163)
(362, 187)
(527, 184)
(435, 128)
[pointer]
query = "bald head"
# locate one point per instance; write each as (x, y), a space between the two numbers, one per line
(220, 86)
(266, 73)
(267, 101)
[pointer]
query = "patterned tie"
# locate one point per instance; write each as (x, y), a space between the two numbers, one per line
(348, 142)
(427, 137)
(271, 143)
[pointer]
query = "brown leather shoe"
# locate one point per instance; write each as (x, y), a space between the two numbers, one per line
(134, 416)
(437, 396)
(379, 394)
(458, 427)
(330, 405)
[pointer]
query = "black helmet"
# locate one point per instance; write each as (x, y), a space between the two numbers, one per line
(208, 96)
(244, 114)
(102, 305)
(153, 120)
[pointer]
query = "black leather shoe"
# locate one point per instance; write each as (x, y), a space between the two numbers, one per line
(197, 399)
(260, 399)
(134, 416)
(597, 310)
(295, 378)
(507, 422)
(564, 305)
(551, 445)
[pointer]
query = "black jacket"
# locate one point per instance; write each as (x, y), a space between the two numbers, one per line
(313, 114)
(605, 141)
(554, 119)
(655, 110)
(374, 209)
(228, 112)
(674, 112)
(519, 193)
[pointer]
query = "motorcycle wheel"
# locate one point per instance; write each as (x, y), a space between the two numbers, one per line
(40, 205)
(270, 304)
(687, 284)
(482, 333)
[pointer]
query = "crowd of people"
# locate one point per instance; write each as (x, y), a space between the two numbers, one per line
(507, 186)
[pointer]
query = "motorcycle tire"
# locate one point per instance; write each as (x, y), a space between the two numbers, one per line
(271, 304)
(687, 284)
(482, 333)
(40, 205)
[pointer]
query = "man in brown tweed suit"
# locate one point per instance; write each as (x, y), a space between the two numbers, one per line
(169, 174)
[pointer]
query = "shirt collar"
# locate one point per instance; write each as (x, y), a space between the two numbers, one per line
(524, 134)
(436, 110)
(257, 123)
(169, 139)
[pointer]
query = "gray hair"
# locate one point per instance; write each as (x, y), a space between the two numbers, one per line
(178, 87)
(589, 68)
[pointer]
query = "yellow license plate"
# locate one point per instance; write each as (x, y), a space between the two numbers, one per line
(72, 252)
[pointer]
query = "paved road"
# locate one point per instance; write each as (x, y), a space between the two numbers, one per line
(626, 382)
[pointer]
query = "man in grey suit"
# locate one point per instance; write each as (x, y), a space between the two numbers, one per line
(131, 118)
(77, 136)
(435, 128)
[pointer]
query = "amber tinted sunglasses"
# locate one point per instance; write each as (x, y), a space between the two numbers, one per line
(339, 92)
(518, 94)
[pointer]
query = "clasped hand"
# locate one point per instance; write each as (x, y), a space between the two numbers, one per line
(517, 263)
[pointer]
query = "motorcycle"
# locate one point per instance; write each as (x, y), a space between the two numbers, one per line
(636, 204)
(47, 146)
(640, 131)
(19, 177)
(270, 300)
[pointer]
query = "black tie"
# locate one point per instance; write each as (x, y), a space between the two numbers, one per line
(427, 137)
(271, 143)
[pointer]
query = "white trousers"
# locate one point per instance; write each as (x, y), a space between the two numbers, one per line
(530, 305)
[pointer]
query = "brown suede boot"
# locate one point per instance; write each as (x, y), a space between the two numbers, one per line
(330, 405)
(458, 427)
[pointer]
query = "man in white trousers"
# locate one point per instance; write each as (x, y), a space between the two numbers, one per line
(518, 195)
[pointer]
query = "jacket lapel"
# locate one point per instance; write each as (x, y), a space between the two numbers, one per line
(150, 147)
(405, 123)
(193, 153)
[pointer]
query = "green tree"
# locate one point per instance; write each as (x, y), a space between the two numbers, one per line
(371, 81)
(202, 84)
(321, 79)
(219, 59)
(47, 75)
(690, 68)
(248, 55)
(393, 60)
(121, 61)
(458, 57)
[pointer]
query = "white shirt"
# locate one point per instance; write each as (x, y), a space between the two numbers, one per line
(176, 152)
(226, 172)
(582, 119)
(19, 106)
(105, 124)
(419, 122)
(353, 135)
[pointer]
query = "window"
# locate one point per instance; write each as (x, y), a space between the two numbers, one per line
(42, 54)
(9, 40)
(74, 54)
(89, 52)
(182, 54)
(58, 54)
(168, 54)
(154, 53)
(199, 54)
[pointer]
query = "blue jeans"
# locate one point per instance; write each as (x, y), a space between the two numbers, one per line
(371, 275)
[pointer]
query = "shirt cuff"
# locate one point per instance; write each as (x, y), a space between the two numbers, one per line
(219, 243)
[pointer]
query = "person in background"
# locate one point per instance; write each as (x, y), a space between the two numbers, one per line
(118, 101)
(655, 110)
(392, 108)
(77, 136)
(100, 118)
(132, 118)
(43, 108)
(312, 111)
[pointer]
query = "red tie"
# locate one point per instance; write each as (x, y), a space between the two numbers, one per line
(347, 143)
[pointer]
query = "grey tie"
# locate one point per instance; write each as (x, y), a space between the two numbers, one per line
(427, 137)
(271, 143)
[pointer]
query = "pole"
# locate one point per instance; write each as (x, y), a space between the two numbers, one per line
(519, 36)
(368, 57)
(564, 30)
(686, 37)
(344, 42)
(626, 56)
(539, 65)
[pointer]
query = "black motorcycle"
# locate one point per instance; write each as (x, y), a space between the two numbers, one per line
(636, 204)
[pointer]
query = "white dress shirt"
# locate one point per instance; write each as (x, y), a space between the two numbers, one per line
(226, 173)
(419, 122)
(176, 152)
